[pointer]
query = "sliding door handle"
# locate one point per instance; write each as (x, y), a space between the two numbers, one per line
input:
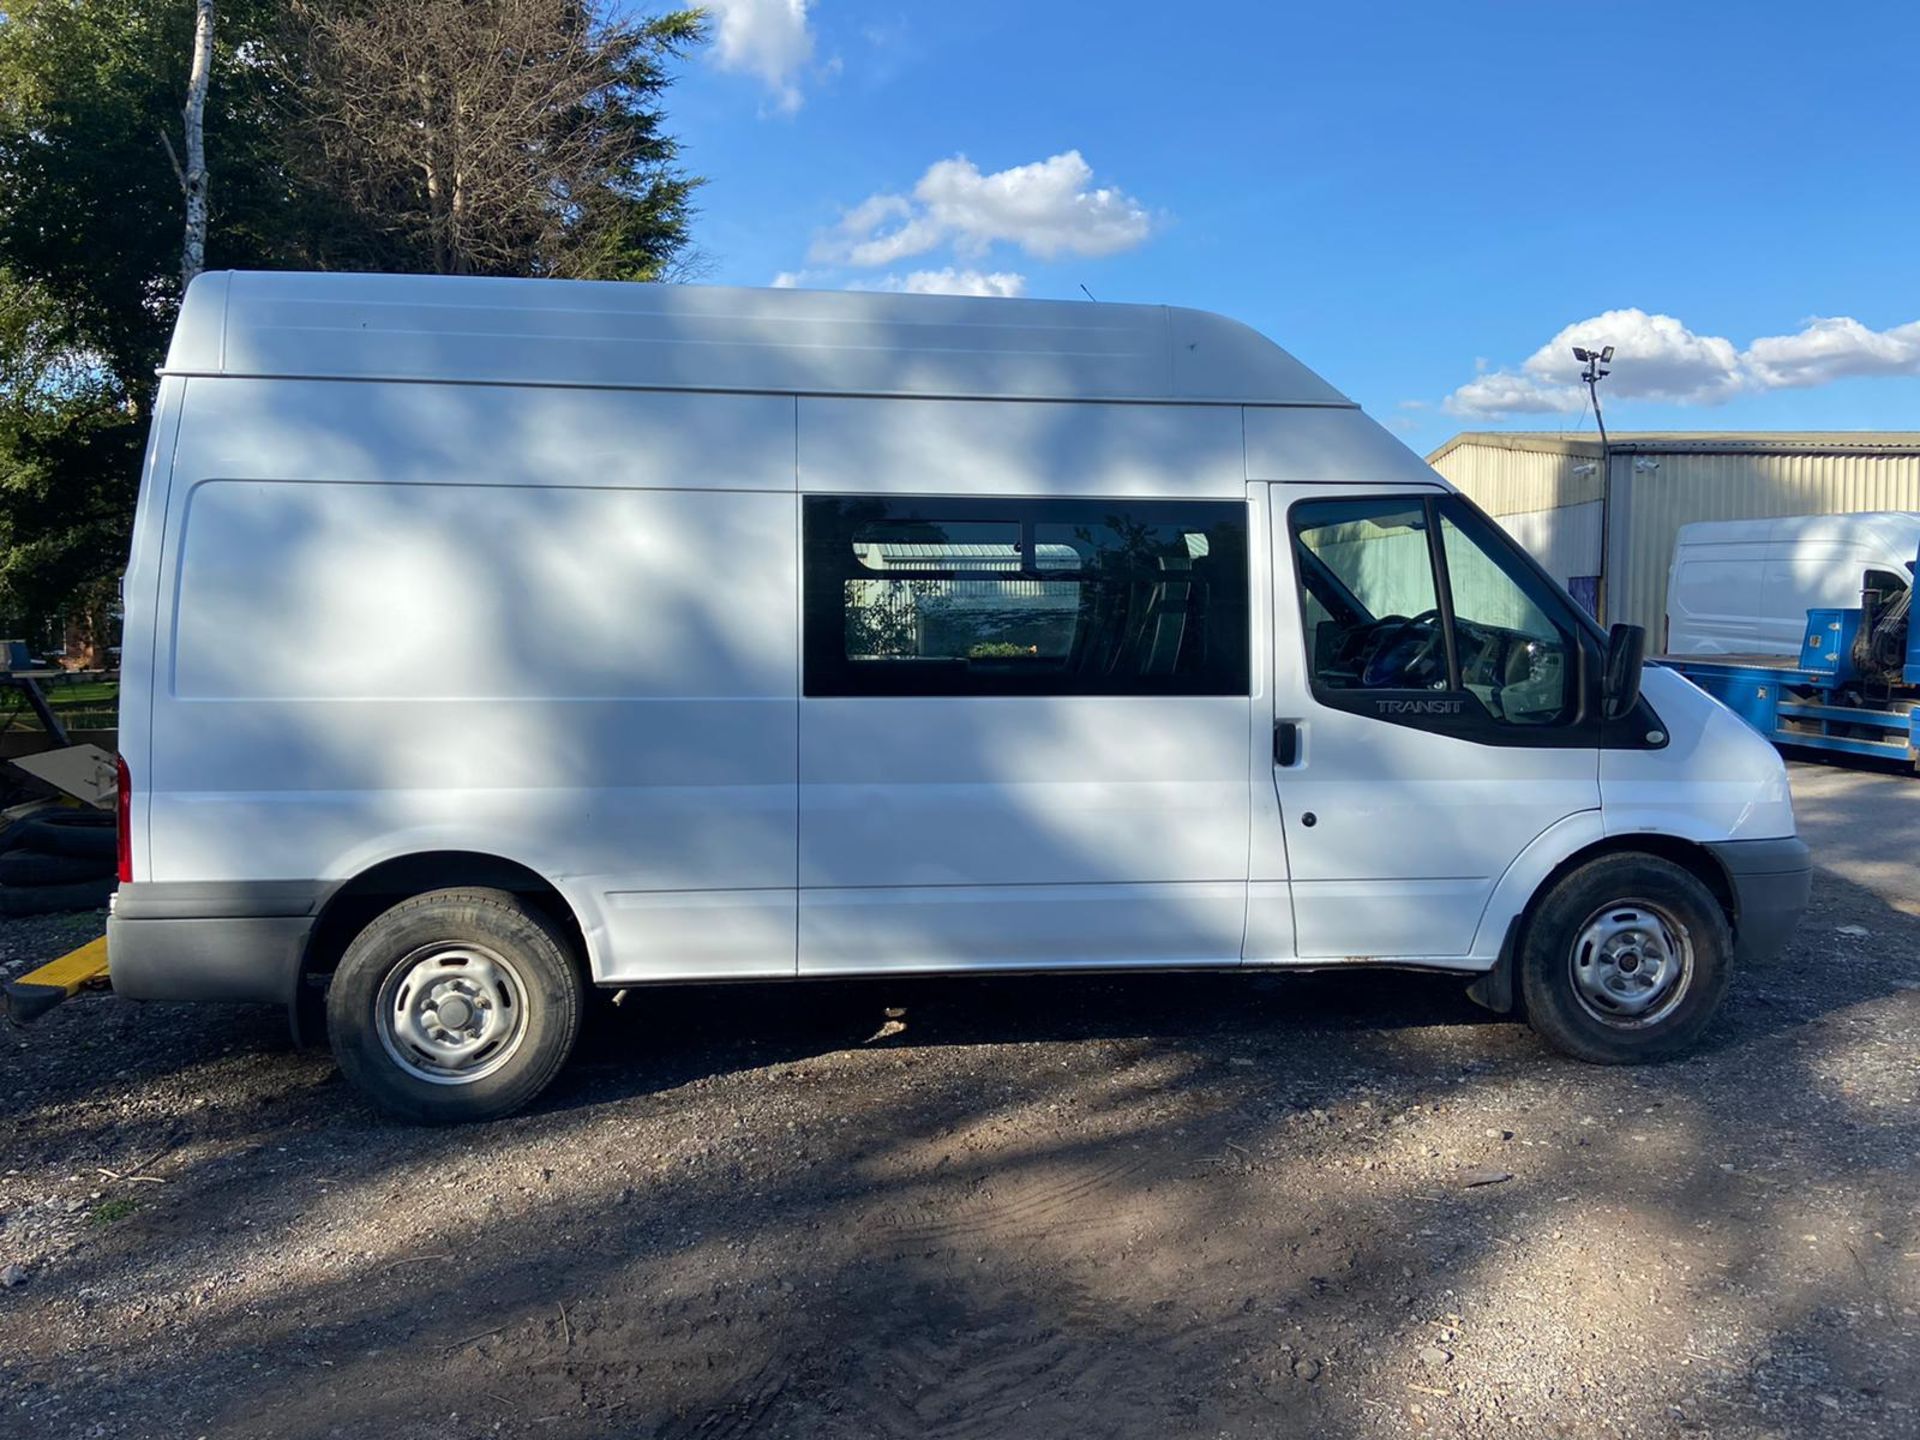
(1286, 743)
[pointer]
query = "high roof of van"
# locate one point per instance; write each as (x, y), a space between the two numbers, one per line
(699, 337)
(1897, 531)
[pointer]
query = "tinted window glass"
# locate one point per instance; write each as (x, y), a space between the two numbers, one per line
(1515, 660)
(1376, 601)
(910, 596)
(1367, 595)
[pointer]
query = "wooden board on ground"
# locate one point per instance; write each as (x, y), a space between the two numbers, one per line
(82, 771)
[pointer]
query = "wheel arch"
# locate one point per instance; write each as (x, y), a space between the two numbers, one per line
(351, 904)
(1690, 855)
(1495, 988)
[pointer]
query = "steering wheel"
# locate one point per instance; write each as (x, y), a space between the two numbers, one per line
(1397, 653)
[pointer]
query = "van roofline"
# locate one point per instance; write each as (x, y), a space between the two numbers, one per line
(169, 372)
(1840, 521)
(616, 335)
(1680, 442)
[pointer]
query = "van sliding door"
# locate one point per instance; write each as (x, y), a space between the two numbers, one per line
(1023, 732)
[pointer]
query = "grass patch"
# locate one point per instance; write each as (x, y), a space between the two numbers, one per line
(108, 1211)
(80, 705)
(61, 694)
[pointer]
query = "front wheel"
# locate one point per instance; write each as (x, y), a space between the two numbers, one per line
(1626, 959)
(454, 1005)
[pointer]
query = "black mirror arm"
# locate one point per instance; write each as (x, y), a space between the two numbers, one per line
(1620, 681)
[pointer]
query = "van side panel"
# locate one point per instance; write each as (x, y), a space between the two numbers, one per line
(1752, 597)
(549, 625)
(1327, 446)
(1012, 447)
(1024, 833)
(1744, 587)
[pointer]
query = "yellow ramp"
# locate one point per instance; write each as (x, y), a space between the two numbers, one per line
(38, 991)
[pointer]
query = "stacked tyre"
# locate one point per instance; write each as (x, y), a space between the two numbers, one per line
(56, 858)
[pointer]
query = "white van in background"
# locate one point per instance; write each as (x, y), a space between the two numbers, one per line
(488, 640)
(1743, 587)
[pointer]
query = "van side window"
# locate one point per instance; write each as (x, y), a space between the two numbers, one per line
(1422, 595)
(916, 596)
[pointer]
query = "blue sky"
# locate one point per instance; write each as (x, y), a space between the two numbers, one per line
(1416, 199)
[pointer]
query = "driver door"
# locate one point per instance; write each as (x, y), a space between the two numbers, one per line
(1435, 711)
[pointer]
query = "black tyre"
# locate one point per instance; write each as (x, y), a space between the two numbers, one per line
(85, 834)
(16, 817)
(1625, 960)
(54, 899)
(30, 867)
(454, 1005)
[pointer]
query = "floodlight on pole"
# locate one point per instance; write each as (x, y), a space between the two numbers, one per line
(1597, 361)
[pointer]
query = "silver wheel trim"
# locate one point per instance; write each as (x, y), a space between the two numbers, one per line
(451, 1014)
(1631, 964)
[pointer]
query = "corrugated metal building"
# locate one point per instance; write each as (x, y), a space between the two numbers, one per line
(1549, 493)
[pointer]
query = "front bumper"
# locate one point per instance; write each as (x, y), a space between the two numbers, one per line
(211, 941)
(1771, 881)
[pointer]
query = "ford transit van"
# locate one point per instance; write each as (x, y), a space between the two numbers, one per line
(492, 640)
(1744, 587)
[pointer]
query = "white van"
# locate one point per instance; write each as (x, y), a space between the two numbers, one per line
(488, 640)
(1744, 587)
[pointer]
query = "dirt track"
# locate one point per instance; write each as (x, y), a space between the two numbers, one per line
(1150, 1206)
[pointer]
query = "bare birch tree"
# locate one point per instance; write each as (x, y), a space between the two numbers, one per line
(193, 180)
(492, 136)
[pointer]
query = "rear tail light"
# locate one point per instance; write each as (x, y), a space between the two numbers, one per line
(123, 818)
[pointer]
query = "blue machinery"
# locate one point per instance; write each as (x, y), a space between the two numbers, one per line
(1854, 689)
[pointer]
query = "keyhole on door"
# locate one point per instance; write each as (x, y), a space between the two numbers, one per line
(1309, 819)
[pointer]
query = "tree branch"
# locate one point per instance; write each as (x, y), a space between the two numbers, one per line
(174, 158)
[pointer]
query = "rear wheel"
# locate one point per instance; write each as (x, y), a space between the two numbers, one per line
(454, 1005)
(1626, 959)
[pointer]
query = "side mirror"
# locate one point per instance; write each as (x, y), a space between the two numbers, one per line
(1620, 679)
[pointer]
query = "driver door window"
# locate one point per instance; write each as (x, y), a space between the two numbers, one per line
(1422, 595)
(1368, 600)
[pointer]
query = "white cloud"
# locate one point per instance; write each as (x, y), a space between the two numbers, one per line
(1667, 360)
(1658, 358)
(912, 233)
(769, 39)
(950, 281)
(1504, 393)
(1047, 209)
(1833, 349)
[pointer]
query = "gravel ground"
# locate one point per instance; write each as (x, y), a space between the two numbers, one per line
(1237, 1205)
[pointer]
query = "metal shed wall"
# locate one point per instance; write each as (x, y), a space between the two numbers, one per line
(1661, 482)
(1511, 480)
(1689, 486)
